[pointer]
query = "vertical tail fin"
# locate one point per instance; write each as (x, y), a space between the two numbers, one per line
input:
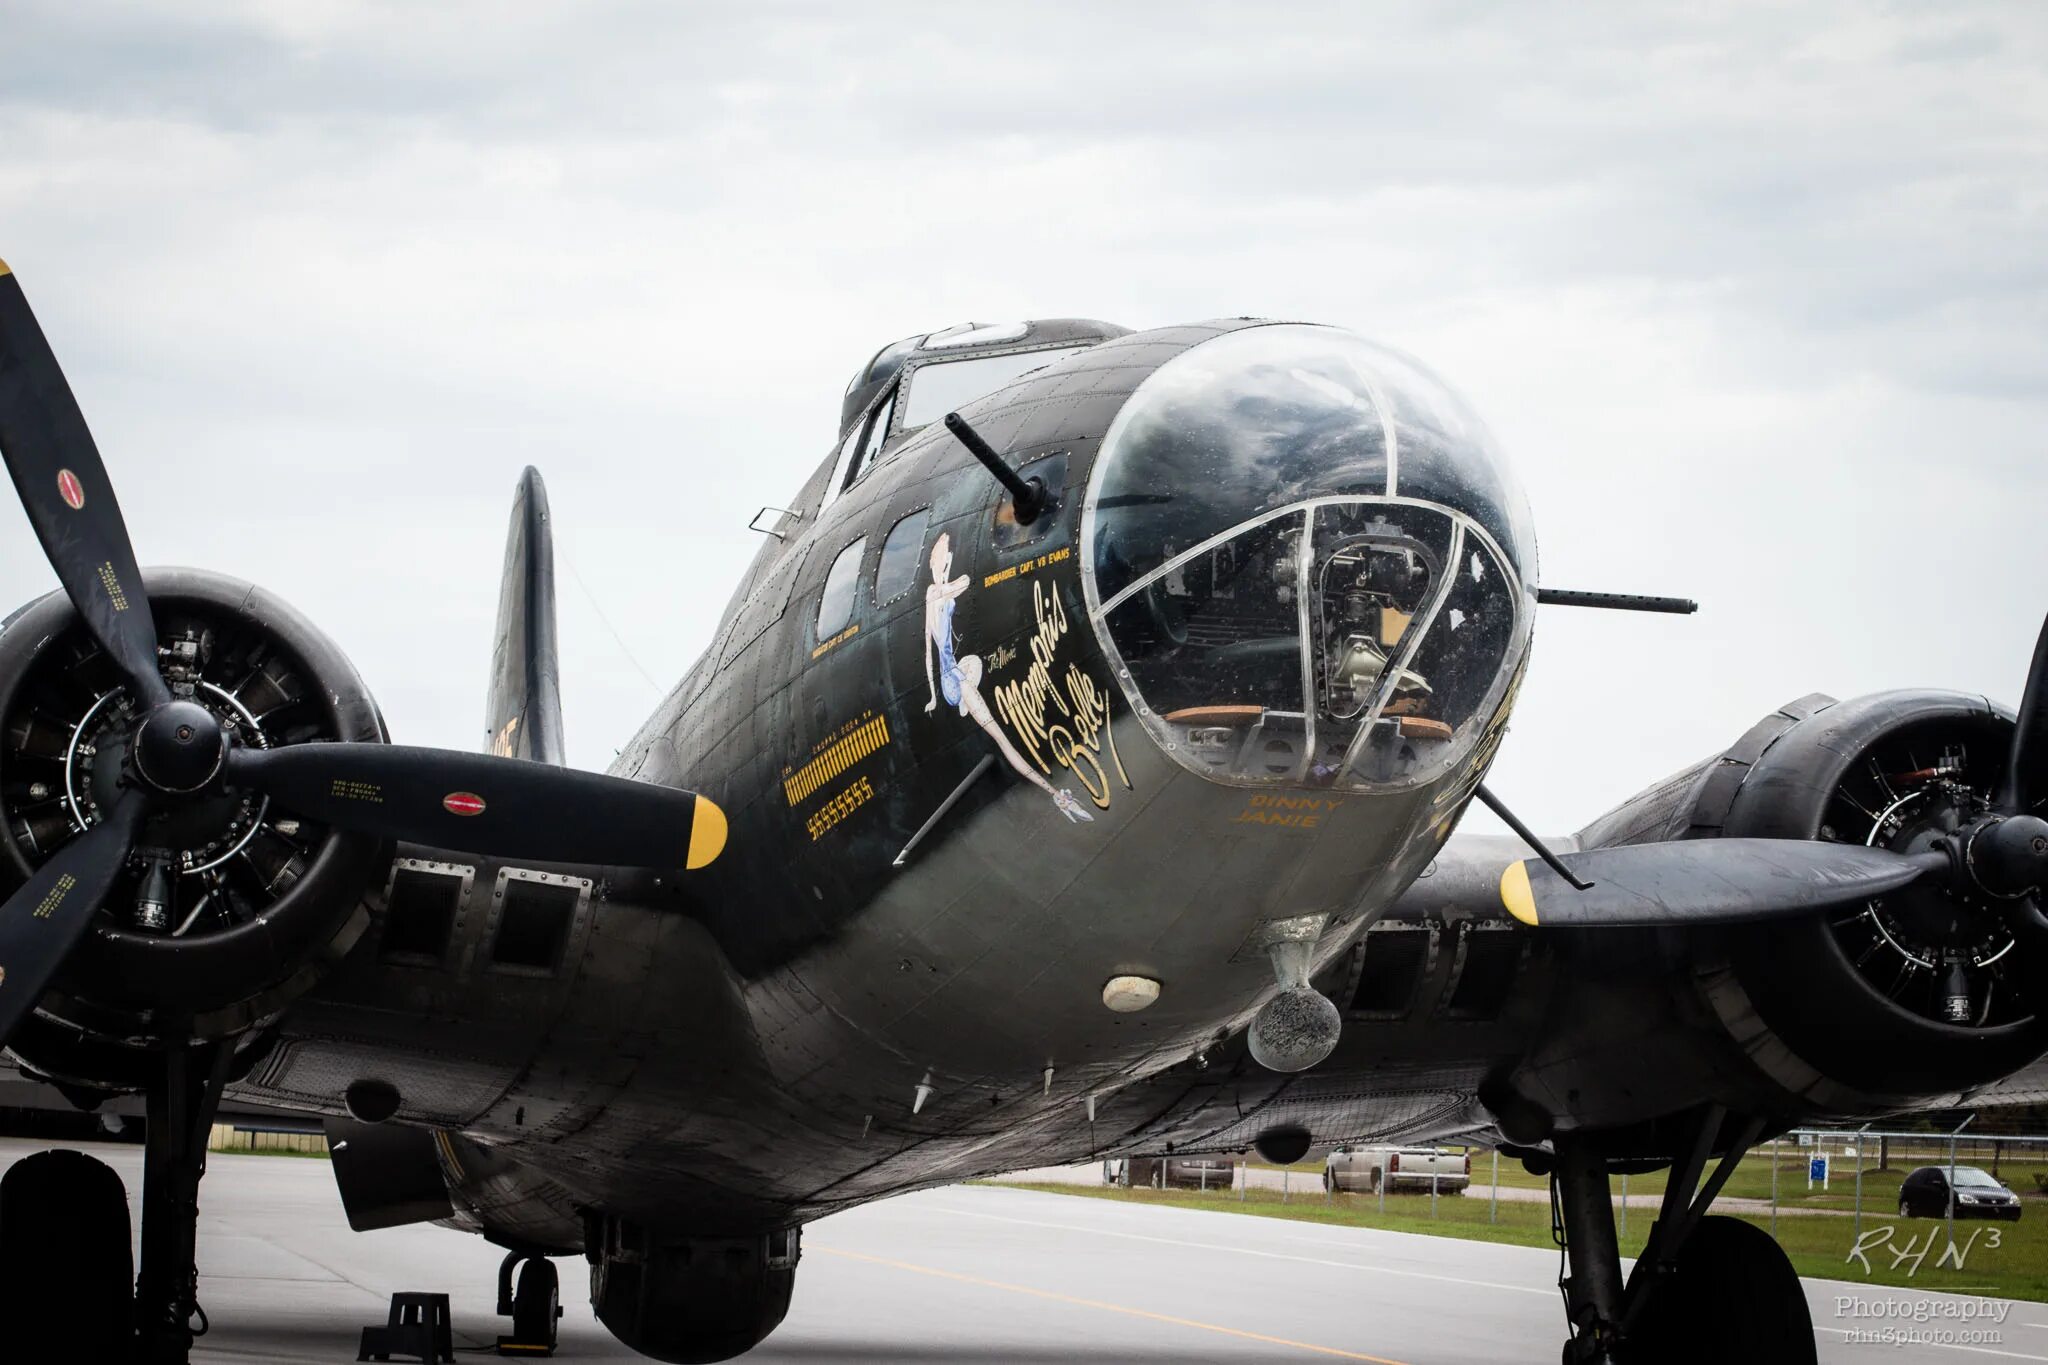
(523, 717)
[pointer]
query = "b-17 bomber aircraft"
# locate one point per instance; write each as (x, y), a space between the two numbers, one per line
(1075, 773)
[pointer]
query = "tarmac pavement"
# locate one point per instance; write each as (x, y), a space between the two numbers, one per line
(994, 1276)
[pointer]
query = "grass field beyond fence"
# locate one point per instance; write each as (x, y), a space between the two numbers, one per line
(252, 1142)
(1752, 1179)
(1819, 1230)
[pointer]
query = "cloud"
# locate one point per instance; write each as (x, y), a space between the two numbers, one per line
(1753, 295)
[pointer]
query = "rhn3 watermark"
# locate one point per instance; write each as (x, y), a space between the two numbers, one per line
(1921, 1311)
(1906, 1334)
(1885, 1241)
(1921, 1322)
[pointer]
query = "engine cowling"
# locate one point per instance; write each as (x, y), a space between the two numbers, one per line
(234, 905)
(1909, 996)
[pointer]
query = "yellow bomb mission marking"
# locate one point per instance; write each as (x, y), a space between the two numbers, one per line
(857, 745)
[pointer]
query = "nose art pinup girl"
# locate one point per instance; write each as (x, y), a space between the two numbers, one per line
(960, 678)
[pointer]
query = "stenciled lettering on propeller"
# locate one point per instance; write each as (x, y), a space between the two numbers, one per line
(1075, 738)
(958, 678)
(116, 595)
(55, 897)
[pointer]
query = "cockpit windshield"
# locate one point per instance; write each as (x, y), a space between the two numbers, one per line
(1289, 607)
(939, 387)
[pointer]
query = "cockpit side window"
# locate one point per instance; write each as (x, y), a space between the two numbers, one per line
(841, 463)
(857, 451)
(878, 434)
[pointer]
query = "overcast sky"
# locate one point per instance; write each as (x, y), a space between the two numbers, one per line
(1755, 297)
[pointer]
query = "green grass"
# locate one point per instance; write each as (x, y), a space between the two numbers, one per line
(1819, 1247)
(1752, 1178)
(245, 1149)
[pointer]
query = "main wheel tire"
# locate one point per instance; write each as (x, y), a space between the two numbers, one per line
(65, 1259)
(1905, 1209)
(1733, 1296)
(537, 1304)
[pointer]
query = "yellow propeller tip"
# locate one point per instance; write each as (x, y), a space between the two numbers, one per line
(707, 833)
(4, 270)
(1515, 893)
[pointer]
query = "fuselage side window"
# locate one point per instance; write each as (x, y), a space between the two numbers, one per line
(902, 552)
(835, 605)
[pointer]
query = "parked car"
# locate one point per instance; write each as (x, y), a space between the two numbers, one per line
(1353, 1170)
(1176, 1172)
(1925, 1193)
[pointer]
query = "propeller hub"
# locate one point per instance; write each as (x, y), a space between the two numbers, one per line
(2009, 857)
(179, 748)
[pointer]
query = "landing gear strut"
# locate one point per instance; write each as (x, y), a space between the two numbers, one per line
(1582, 1219)
(1704, 1291)
(182, 1101)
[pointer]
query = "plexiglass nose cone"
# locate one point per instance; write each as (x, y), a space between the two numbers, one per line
(1308, 562)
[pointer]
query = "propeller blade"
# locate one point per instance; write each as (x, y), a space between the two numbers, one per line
(42, 921)
(480, 803)
(69, 499)
(1706, 881)
(2026, 772)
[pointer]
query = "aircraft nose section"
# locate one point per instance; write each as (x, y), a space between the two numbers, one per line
(1308, 563)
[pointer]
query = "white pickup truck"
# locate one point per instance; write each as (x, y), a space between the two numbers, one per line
(1351, 1170)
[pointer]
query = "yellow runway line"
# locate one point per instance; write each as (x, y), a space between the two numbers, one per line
(1105, 1307)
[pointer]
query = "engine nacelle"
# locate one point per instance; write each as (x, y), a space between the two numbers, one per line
(1907, 997)
(233, 907)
